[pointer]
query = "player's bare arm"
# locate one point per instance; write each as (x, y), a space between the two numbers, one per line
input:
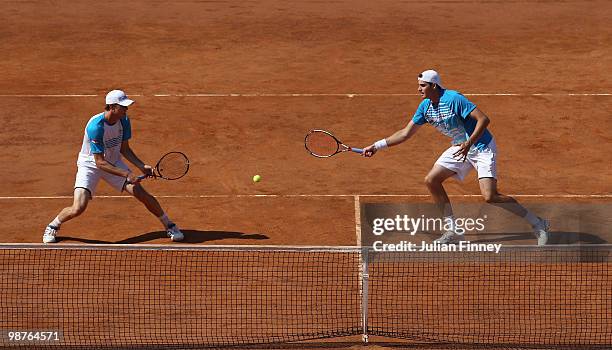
(398, 137)
(482, 121)
(102, 164)
(128, 154)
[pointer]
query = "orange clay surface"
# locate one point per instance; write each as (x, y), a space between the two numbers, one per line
(556, 144)
(550, 145)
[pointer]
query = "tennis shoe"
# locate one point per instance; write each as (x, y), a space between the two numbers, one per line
(540, 230)
(50, 234)
(174, 233)
(450, 237)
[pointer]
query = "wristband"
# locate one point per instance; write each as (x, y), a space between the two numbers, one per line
(381, 144)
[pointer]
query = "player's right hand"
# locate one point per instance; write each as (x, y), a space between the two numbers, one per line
(148, 170)
(369, 151)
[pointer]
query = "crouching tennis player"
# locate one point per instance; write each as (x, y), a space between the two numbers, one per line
(106, 139)
(473, 146)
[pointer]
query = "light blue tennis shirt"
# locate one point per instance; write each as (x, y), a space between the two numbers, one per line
(451, 117)
(102, 137)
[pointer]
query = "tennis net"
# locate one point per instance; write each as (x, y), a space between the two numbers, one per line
(521, 296)
(114, 296)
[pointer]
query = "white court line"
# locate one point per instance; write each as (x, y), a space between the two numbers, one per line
(369, 94)
(358, 220)
(256, 248)
(592, 196)
(66, 95)
(350, 95)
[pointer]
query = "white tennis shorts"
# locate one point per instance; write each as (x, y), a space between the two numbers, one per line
(481, 160)
(88, 177)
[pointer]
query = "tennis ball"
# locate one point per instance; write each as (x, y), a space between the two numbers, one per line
(256, 178)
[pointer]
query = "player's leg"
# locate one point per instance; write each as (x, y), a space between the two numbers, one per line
(446, 166)
(484, 161)
(82, 196)
(85, 183)
(433, 180)
(151, 203)
(488, 188)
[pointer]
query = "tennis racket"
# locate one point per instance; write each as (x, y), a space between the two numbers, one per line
(172, 166)
(323, 144)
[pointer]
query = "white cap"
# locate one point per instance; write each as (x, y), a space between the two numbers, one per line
(431, 76)
(118, 97)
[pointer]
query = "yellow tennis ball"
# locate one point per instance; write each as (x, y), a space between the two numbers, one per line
(256, 178)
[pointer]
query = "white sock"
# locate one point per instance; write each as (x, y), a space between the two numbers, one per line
(165, 220)
(531, 218)
(449, 223)
(56, 222)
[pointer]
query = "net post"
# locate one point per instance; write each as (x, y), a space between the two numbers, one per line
(365, 276)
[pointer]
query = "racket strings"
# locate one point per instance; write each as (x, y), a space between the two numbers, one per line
(321, 144)
(173, 166)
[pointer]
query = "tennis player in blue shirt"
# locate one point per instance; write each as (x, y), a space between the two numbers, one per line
(473, 147)
(105, 143)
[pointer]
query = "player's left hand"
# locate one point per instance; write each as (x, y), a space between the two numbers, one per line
(462, 152)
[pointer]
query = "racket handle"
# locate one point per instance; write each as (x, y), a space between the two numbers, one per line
(142, 177)
(357, 150)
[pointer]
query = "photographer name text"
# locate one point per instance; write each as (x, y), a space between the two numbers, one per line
(462, 246)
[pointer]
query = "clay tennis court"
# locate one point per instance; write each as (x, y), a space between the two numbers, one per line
(236, 85)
